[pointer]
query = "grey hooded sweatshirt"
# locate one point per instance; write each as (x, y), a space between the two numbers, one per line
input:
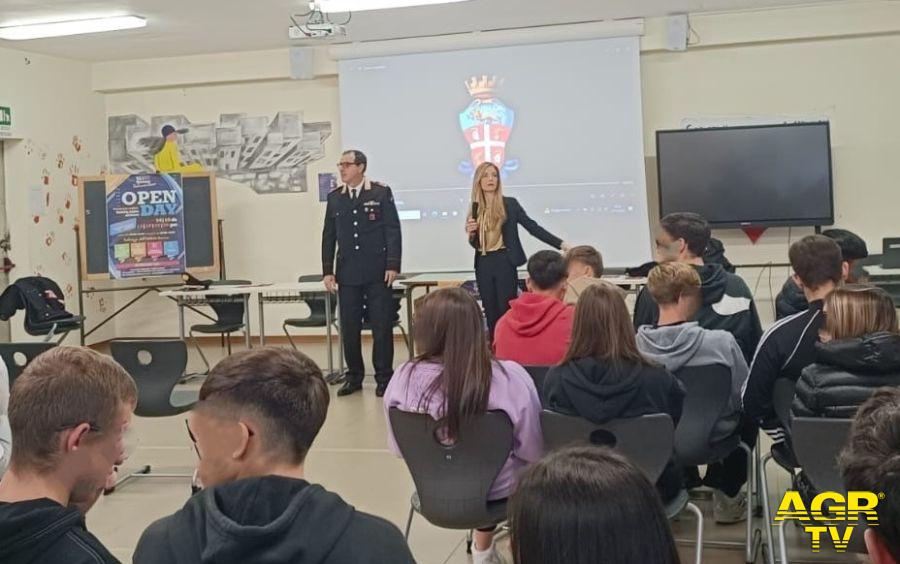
(688, 344)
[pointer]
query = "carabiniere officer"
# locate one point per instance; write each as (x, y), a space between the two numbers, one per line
(362, 226)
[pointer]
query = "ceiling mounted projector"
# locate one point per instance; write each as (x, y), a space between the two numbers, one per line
(331, 6)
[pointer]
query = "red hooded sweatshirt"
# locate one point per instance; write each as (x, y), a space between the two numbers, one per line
(535, 331)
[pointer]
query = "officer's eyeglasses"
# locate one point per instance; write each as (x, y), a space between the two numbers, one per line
(345, 165)
(193, 439)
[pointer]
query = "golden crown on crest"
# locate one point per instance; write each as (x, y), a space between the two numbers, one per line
(482, 87)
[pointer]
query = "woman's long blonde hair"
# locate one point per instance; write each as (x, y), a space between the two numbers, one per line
(491, 214)
(856, 310)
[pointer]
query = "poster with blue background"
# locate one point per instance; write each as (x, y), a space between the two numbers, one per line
(145, 226)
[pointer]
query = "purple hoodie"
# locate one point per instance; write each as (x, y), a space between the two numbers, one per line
(512, 391)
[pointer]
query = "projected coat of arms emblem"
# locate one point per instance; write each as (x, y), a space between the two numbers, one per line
(487, 123)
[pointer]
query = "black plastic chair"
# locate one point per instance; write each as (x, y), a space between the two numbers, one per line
(52, 320)
(817, 443)
(156, 366)
(317, 312)
(782, 398)
(17, 356)
(646, 441)
(229, 317)
(399, 296)
(707, 393)
(538, 375)
(453, 481)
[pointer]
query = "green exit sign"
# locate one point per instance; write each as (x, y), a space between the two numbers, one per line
(5, 116)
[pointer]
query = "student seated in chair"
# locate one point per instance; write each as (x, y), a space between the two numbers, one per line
(677, 343)
(587, 504)
(791, 299)
(604, 376)
(584, 265)
(536, 329)
(258, 414)
(69, 411)
(454, 377)
(869, 462)
(787, 347)
(859, 353)
(727, 302)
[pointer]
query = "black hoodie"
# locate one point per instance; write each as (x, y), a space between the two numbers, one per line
(269, 520)
(727, 305)
(601, 391)
(846, 373)
(790, 300)
(41, 531)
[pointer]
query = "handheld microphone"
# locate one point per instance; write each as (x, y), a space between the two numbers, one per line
(475, 210)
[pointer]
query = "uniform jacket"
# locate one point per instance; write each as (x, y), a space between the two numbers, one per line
(364, 235)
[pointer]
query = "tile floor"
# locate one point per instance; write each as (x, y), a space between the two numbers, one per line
(349, 457)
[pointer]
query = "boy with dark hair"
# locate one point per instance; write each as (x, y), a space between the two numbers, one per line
(69, 411)
(791, 300)
(584, 266)
(789, 346)
(258, 414)
(869, 463)
(726, 301)
(537, 328)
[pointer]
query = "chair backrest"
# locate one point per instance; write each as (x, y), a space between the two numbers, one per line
(538, 374)
(817, 441)
(229, 309)
(453, 481)
(782, 398)
(647, 441)
(156, 375)
(707, 391)
(17, 356)
(317, 305)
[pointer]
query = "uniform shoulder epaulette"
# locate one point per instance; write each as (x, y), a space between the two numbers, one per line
(378, 183)
(336, 189)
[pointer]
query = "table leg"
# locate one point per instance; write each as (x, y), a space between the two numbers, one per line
(409, 321)
(246, 298)
(328, 332)
(262, 322)
(181, 319)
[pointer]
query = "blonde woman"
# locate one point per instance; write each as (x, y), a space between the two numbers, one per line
(859, 353)
(493, 232)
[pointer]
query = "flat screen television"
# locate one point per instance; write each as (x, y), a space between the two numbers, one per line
(766, 176)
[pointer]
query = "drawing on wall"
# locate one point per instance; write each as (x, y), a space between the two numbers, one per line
(270, 156)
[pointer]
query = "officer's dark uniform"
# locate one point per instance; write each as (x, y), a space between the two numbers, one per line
(366, 234)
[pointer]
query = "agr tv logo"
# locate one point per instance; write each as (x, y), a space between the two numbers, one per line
(829, 513)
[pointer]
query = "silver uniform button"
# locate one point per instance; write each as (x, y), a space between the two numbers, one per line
(356, 234)
(354, 212)
(357, 247)
(355, 223)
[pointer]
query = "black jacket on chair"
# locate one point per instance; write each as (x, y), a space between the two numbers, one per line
(846, 373)
(515, 216)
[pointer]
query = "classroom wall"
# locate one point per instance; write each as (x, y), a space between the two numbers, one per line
(59, 129)
(831, 61)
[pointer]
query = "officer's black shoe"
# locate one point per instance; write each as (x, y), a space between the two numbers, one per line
(380, 389)
(349, 388)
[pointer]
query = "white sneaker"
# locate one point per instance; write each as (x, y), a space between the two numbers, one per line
(729, 509)
(489, 556)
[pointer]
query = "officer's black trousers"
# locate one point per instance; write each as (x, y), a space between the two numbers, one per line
(498, 283)
(380, 304)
